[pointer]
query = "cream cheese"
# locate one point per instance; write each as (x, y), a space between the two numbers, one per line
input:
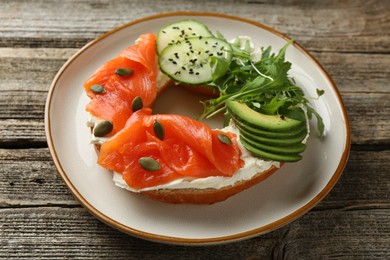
(92, 121)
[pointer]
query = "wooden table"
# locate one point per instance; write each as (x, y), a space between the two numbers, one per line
(40, 218)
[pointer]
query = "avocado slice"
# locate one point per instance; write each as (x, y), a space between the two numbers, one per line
(273, 141)
(270, 134)
(288, 149)
(269, 155)
(243, 113)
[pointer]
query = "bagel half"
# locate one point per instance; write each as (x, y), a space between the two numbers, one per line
(196, 195)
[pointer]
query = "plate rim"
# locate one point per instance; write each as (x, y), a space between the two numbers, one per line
(195, 241)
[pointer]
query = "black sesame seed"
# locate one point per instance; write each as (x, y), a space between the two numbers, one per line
(200, 37)
(189, 28)
(207, 51)
(177, 72)
(184, 68)
(191, 72)
(163, 31)
(197, 73)
(206, 42)
(211, 54)
(174, 62)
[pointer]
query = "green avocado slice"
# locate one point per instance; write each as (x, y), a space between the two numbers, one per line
(269, 155)
(243, 113)
(273, 141)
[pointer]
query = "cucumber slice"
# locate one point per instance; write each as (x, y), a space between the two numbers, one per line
(180, 31)
(188, 61)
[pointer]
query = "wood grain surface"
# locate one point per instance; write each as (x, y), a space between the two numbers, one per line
(39, 218)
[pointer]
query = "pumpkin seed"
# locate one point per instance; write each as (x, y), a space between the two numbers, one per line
(97, 88)
(102, 128)
(124, 72)
(149, 164)
(158, 130)
(137, 104)
(224, 139)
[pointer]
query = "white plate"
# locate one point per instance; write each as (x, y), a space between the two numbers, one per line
(283, 197)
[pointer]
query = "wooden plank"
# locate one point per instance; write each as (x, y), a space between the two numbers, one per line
(364, 183)
(28, 177)
(360, 26)
(356, 234)
(54, 232)
(357, 72)
(369, 115)
(73, 233)
(22, 133)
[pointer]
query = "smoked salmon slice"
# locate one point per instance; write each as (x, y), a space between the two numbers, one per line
(189, 149)
(114, 104)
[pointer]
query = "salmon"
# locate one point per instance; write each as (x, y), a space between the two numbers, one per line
(189, 149)
(115, 103)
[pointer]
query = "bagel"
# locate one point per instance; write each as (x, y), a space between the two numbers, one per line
(246, 169)
(192, 193)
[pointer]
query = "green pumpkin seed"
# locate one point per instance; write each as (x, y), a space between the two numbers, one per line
(137, 104)
(102, 128)
(158, 130)
(97, 88)
(124, 72)
(224, 139)
(149, 164)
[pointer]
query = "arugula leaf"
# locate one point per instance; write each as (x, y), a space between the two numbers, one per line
(219, 67)
(264, 85)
